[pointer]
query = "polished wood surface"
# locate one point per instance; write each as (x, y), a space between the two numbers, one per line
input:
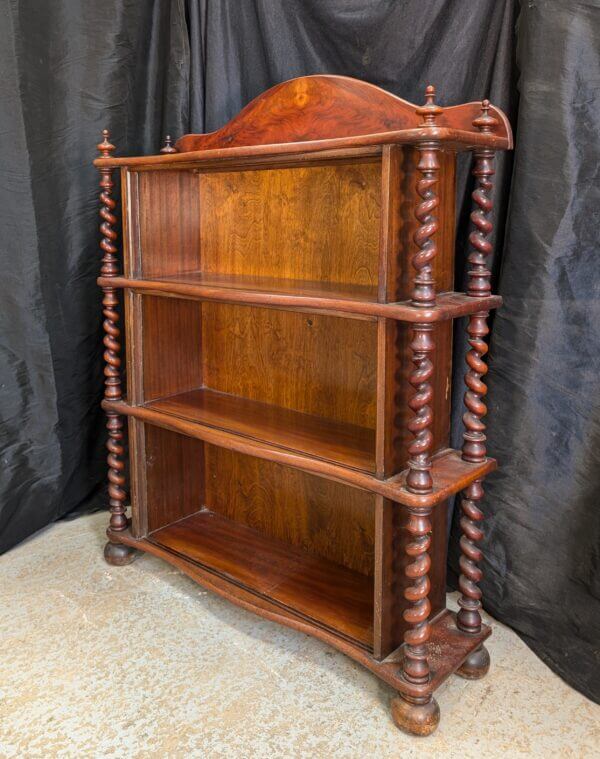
(448, 647)
(324, 107)
(174, 476)
(332, 595)
(302, 296)
(114, 552)
(321, 517)
(451, 472)
(280, 277)
(315, 364)
(317, 223)
(344, 443)
(474, 443)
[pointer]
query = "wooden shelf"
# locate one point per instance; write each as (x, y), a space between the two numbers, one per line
(345, 444)
(358, 301)
(335, 597)
(447, 648)
(450, 473)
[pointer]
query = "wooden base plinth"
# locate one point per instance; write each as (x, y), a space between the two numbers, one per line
(449, 649)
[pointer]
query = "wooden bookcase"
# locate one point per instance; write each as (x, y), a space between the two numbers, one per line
(287, 287)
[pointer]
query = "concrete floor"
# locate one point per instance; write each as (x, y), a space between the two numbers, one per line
(139, 661)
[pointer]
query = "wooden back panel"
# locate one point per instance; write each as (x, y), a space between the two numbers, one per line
(316, 364)
(323, 518)
(316, 223)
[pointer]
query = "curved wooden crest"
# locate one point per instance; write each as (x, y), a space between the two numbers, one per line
(326, 107)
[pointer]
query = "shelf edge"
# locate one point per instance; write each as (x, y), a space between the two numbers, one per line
(391, 488)
(389, 670)
(450, 305)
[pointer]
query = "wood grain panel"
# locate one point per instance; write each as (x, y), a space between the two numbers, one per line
(332, 595)
(174, 476)
(316, 364)
(321, 517)
(169, 222)
(323, 107)
(316, 223)
(172, 341)
(344, 443)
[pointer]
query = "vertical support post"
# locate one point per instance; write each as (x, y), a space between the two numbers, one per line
(421, 714)
(474, 447)
(114, 552)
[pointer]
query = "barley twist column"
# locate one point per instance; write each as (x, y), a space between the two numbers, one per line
(474, 445)
(114, 552)
(420, 714)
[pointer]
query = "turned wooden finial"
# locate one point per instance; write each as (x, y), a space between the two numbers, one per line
(485, 123)
(105, 147)
(430, 111)
(168, 146)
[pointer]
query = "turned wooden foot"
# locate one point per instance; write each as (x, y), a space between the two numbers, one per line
(118, 555)
(416, 718)
(476, 665)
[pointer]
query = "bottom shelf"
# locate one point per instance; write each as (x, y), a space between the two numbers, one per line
(331, 595)
(447, 648)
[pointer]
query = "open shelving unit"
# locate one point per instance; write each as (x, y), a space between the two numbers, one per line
(283, 400)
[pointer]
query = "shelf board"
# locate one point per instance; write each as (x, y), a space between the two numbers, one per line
(345, 444)
(447, 648)
(335, 597)
(354, 301)
(449, 472)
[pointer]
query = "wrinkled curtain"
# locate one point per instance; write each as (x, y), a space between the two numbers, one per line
(145, 69)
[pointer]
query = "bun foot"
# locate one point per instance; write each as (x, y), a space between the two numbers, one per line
(118, 554)
(476, 665)
(416, 718)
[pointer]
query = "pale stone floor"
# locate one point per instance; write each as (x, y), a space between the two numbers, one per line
(139, 661)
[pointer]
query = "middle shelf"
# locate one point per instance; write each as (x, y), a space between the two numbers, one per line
(346, 444)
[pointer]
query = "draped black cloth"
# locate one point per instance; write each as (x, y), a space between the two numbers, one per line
(70, 69)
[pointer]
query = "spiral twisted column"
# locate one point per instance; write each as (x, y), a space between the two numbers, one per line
(422, 345)
(474, 445)
(415, 667)
(114, 553)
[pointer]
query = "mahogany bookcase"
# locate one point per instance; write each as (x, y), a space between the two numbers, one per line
(287, 287)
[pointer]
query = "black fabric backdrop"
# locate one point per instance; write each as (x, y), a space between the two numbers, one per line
(143, 69)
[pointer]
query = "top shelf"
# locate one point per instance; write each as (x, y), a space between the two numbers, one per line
(350, 300)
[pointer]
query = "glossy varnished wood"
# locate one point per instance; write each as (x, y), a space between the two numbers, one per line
(344, 443)
(317, 223)
(331, 595)
(321, 517)
(452, 472)
(287, 287)
(300, 295)
(448, 646)
(315, 364)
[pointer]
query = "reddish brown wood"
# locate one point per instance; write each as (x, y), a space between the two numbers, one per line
(327, 593)
(301, 295)
(448, 647)
(474, 447)
(325, 107)
(450, 473)
(343, 443)
(114, 552)
(423, 296)
(168, 146)
(269, 339)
